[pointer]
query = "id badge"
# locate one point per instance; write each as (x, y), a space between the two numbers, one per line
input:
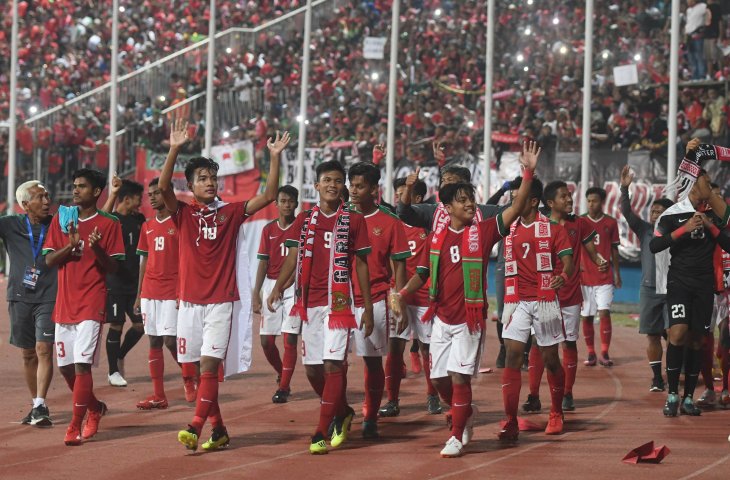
(30, 277)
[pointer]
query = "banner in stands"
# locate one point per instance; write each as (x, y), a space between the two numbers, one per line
(233, 157)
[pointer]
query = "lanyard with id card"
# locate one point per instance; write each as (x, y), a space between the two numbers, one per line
(30, 277)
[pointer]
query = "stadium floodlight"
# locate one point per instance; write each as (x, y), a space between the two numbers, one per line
(556, 20)
(470, 124)
(226, 134)
(229, 50)
(161, 98)
(299, 118)
(563, 50)
(520, 58)
(374, 76)
(637, 57)
(437, 12)
(528, 31)
(527, 69)
(33, 110)
(529, 2)
(605, 54)
(122, 9)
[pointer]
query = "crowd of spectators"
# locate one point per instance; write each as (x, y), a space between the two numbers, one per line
(538, 72)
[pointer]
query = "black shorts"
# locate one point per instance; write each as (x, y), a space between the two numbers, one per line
(31, 323)
(690, 306)
(118, 306)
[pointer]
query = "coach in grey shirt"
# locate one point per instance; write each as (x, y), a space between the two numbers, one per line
(31, 294)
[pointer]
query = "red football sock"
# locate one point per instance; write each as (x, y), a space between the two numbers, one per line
(189, 370)
(374, 386)
(393, 375)
(83, 386)
(157, 371)
(288, 363)
(207, 396)
(445, 389)
(430, 390)
(216, 420)
(271, 352)
(345, 368)
(511, 385)
(707, 360)
(725, 365)
(535, 370)
(460, 409)
(588, 334)
(556, 381)
(331, 398)
(570, 366)
(606, 330)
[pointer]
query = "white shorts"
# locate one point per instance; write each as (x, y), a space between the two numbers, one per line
(454, 349)
(376, 345)
(77, 342)
(159, 317)
(278, 322)
(203, 330)
(319, 342)
(571, 322)
(595, 298)
(720, 310)
(415, 328)
(548, 331)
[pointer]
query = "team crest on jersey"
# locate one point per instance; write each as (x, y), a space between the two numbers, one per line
(222, 218)
(422, 236)
(377, 231)
(171, 231)
(340, 301)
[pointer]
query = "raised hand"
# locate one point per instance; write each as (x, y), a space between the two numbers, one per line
(116, 184)
(179, 133)
(279, 144)
(438, 153)
(627, 175)
(95, 239)
(530, 153)
(693, 144)
(73, 236)
(412, 178)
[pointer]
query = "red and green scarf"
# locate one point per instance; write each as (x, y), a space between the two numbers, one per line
(472, 267)
(340, 287)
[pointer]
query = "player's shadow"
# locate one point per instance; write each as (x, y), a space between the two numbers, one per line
(120, 432)
(595, 401)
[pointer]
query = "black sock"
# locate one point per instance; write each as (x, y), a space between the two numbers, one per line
(692, 371)
(675, 359)
(130, 340)
(414, 346)
(113, 338)
(656, 367)
(499, 332)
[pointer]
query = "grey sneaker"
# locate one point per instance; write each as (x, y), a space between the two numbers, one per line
(433, 404)
(390, 409)
(568, 404)
(27, 419)
(41, 417)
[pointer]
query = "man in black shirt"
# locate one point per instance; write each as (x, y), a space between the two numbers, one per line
(691, 237)
(713, 37)
(122, 285)
(31, 294)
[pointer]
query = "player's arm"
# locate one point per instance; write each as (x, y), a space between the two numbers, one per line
(363, 278)
(414, 215)
(260, 275)
(590, 249)
(664, 236)
(107, 263)
(178, 138)
(142, 270)
(615, 261)
(568, 267)
(272, 181)
(55, 256)
(287, 270)
(530, 154)
(113, 194)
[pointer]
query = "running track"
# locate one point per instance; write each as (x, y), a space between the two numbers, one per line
(615, 413)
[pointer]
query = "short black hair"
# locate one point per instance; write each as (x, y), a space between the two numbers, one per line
(551, 190)
(288, 190)
(461, 172)
(199, 162)
(536, 189)
(664, 202)
(516, 183)
(448, 193)
(329, 166)
(419, 188)
(129, 188)
(597, 191)
(154, 182)
(93, 176)
(714, 185)
(368, 171)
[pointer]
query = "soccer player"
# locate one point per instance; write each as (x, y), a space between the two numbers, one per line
(652, 306)
(31, 294)
(208, 234)
(122, 285)
(271, 255)
(416, 306)
(598, 285)
(387, 239)
(325, 245)
(533, 252)
(157, 298)
(456, 263)
(86, 244)
(580, 232)
(691, 237)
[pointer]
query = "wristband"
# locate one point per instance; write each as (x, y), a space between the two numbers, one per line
(680, 231)
(564, 276)
(528, 175)
(403, 292)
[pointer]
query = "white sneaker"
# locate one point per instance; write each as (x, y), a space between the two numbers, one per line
(453, 448)
(469, 428)
(117, 380)
(120, 366)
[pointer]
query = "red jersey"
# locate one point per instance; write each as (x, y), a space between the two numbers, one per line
(387, 240)
(272, 248)
(416, 238)
(450, 307)
(160, 275)
(606, 240)
(323, 237)
(208, 241)
(580, 231)
(525, 247)
(81, 283)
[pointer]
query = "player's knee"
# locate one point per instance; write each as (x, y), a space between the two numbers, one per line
(82, 368)
(604, 314)
(117, 327)
(138, 327)
(170, 343)
(29, 355)
(44, 350)
(68, 371)
(291, 338)
(266, 341)
(373, 363)
(570, 345)
(155, 341)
